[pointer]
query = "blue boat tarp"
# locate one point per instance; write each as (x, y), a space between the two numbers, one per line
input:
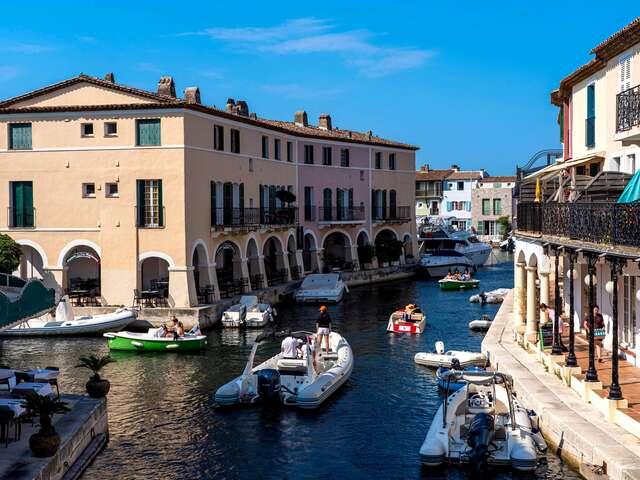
(631, 192)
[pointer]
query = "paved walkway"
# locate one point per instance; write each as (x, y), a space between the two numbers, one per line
(577, 430)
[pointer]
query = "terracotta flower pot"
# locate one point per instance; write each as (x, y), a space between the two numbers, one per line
(98, 388)
(44, 445)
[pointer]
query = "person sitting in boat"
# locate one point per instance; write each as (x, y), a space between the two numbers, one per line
(171, 329)
(449, 275)
(466, 275)
(180, 330)
(324, 327)
(289, 347)
(161, 332)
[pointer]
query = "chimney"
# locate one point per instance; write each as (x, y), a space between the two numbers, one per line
(455, 168)
(483, 173)
(192, 95)
(300, 119)
(242, 108)
(369, 135)
(231, 103)
(424, 168)
(110, 78)
(166, 87)
(324, 121)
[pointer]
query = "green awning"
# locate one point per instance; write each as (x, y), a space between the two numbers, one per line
(631, 192)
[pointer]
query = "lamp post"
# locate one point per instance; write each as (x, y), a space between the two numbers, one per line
(592, 373)
(556, 348)
(616, 264)
(571, 357)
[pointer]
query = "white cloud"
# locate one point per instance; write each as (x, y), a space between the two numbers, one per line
(305, 36)
(8, 73)
(296, 90)
(26, 48)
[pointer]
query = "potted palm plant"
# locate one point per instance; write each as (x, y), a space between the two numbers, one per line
(46, 441)
(96, 387)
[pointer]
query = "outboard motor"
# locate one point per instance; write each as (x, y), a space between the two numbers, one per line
(479, 438)
(455, 364)
(269, 385)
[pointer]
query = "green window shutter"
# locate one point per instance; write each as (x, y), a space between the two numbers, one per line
(561, 122)
(481, 228)
(241, 194)
(148, 132)
(160, 207)
(27, 199)
(497, 206)
(485, 206)
(22, 193)
(20, 136)
(140, 202)
(213, 202)
(18, 204)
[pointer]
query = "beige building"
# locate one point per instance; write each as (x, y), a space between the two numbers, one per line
(120, 191)
(491, 198)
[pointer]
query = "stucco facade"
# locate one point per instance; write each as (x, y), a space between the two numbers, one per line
(492, 198)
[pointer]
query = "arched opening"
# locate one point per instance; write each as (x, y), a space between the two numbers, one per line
(201, 280)
(253, 263)
(388, 247)
(229, 269)
(407, 243)
(31, 264)
(296, 270)
(83, 275)
(154, 281)
(274, 267)
(309, 250)
(366, 251)
(337, 252)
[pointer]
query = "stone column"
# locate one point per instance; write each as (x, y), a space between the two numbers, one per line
(57, 280)
(544, 294)
(262, 272)
(182, 288)
(244, 272)
(532, 304)
(300, 263)
(283, 263)
(520, 295)
(319, 262)
(213, 278)
(354, 258)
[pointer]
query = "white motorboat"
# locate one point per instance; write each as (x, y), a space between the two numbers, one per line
(437, 263)
(300, 382)
(321, 287)
(469, 245)
(442, 251)
(442, 358)
(482, 423)
(65, 323)
(483, 323)
(494, 296)
(247, 313)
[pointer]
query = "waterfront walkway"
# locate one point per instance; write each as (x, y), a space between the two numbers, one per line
(575, 429)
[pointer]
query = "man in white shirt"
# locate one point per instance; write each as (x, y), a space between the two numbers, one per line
(289, 347)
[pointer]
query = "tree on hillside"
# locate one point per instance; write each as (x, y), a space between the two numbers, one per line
(10, 253)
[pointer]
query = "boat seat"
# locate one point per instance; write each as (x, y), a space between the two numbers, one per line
(292, 365)
(329, 355)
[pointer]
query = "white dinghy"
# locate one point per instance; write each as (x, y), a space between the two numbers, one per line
(300, 382)
(494, 296)
(483, 323)
(482, 424)
(321, 287)
(65, 323)
(442, 358)
(247, 313)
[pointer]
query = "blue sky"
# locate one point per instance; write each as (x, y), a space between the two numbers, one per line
(466, 82)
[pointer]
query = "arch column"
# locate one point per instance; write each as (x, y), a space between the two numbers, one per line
(519, 304)
(319, 252)
(283, 263)
(59, 276)
(213, 277)
(532, 304)
(263, 272)
(300, 263)
(354, 257)
(182, 287)
(544, 293)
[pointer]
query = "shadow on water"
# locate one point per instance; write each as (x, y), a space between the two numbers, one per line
(163, 422)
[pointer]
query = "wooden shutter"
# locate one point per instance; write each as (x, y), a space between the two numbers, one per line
(20, 136)
(148, 132)
(384, 204)
(160, 205)
(213, 203)
(392, 203)
(591, 101)
(140, 202)
(625, 73)
(351, 198)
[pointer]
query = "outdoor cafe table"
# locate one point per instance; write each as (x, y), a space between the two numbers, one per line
(17, 405)
(7, 377)
(43, 374)
(42, 389)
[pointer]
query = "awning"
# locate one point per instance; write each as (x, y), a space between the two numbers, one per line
(574, 162)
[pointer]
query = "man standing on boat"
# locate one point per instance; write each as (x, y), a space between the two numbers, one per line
(324, 327)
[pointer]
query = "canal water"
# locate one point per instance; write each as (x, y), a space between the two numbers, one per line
(163, 422)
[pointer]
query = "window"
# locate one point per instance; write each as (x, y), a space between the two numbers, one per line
(148, 132)
(289, 151)
(392, 161)
(615, 164)
(235, 140)
(309, 204)
(625, 73)
(594, 168)
(149, 208)
(460, 185)
(86, 129)
(326, 155)
(88, 190)
(22, 211)
(378, 160)
(19, 136)
(218, 137)
(308, 154)
(110, 129)
(497, 206)
(265, 147)
(590, 122)
(344, 157)
(276, 149)
(111, 190)
(631, 163)
(251, 164)
(486, 204)
(362, 175)
(498, 185)
(580, 170)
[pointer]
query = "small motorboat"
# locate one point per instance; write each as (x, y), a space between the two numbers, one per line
(494, 296)
(444, 380)
(482, 324)
(442, 358)
(453, 284)
(65, 323)
(248, 313)
(321, 288)
(481, 424)
(154, 341)
(302, 382)
(409, 319)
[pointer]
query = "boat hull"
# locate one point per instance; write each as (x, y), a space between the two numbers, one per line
(399, 326)
(453, 285)
(136, 344)
(434, 360)
(78, 327)
(480, 324)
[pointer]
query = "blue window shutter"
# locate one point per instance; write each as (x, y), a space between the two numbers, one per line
(591, 101)
(148, 132)
(213, 203)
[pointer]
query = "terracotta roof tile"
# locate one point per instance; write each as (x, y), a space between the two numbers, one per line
(499, 178)
(465, 175)
(432, 175)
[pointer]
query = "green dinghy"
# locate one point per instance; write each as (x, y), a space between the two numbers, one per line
(147, 342)
(449, 284)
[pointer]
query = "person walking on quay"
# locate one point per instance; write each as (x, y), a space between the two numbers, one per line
(556, 322)
(323, 327)
(598, 330)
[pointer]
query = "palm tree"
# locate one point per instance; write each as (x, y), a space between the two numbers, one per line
(46, 407)
(95, 364)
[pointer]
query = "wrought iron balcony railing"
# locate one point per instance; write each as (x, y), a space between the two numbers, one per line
(429, 192)
(603, 223)
(341, 214)
(391, 214)
(628, 109)
(21, 217)
(243, 218)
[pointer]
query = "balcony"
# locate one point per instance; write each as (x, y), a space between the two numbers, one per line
(391, 214)
(21, 218)
(628, 114)
(253, 218)
(606, 223)
(340, 215)
(429, 193)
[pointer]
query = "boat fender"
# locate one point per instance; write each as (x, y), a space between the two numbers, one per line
(274, 312)
(137, 344)
(108, 335)
(172, 346)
